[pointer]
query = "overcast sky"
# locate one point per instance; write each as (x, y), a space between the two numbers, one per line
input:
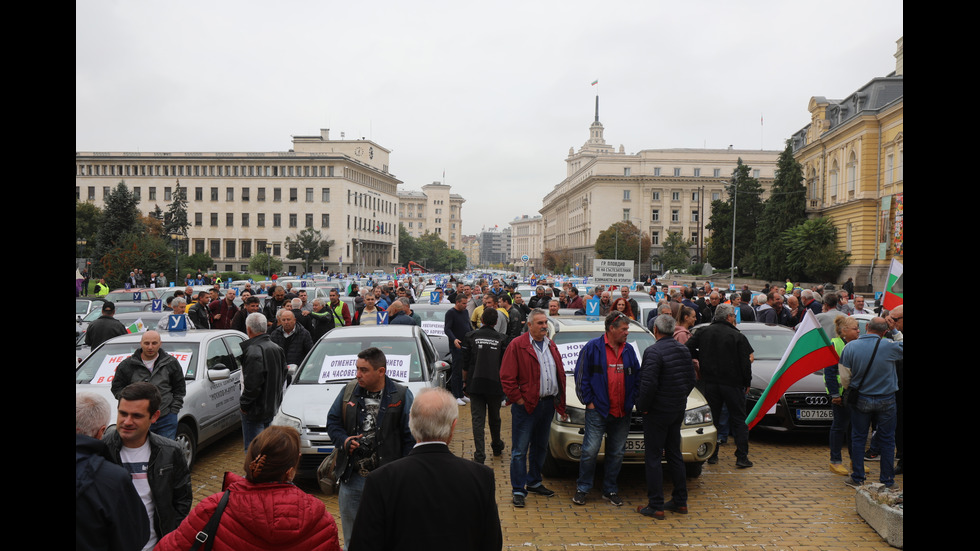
(492, 93)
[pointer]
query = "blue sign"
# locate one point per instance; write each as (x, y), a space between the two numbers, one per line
(592, 307)
(738, 316)
(878, 295)
(382, 318)
(659, 296)
(731, 286)
(157, 305)
(126, 286)
(137, 296)
(177, 322)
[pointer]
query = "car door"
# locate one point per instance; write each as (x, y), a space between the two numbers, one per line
(218, 399)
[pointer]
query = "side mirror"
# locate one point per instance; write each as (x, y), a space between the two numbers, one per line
(441, 366)
(218, 372)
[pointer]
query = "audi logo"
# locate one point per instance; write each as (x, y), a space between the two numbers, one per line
(817, 400)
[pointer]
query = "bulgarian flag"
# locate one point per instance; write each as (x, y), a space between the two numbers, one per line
(894, 287)
(136, 327)
(809, 351)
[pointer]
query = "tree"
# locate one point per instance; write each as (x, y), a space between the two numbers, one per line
(308, 245)
(197, 261)
(88, 220)
(136, 250)
(675, 255)
(558, 262)
(785, 209)
(620, 241)
(407, 247)
(120, 219)
(175, 221)
(747, 211)
(812, 253)
(262, 262)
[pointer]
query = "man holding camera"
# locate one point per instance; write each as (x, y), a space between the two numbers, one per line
(369, 424)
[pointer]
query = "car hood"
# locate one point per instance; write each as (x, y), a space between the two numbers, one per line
(311, 403)
(694, 400)
(762, 371)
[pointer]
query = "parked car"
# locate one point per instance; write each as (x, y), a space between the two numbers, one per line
(433, 324)
(144, 294)
(212, 370)
(698, 434)
(805, 405)
(81, 323)
(316, 383)
(128, 319)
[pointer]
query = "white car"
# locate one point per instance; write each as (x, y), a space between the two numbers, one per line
(212, 369)
(319, 380)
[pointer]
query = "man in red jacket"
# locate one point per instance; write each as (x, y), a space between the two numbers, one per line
(533, 380)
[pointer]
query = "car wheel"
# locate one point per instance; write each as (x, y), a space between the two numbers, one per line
(693, 470)
(187, 443)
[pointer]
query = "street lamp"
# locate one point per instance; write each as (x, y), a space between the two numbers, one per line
(306, 257)
(734, 186)
(268, 256)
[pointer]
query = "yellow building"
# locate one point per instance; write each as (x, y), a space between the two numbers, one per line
(852, 154)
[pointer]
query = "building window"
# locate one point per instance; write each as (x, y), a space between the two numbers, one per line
(167, 194)
(325, 195)
(245, 194)
(656, 195)
(324, 220)
(199, 246)
(214, 194)
(675, 215)
(675, 196)
(230, 248)
(626, 214)
(309, 195)
(694, 196)
(756, 173)
(229, 194)
(136, 193)
(215, 248)
(246, 249)
(198, 219)
(655, 215)
(715, 195)
(626, 171)
(656, 171)
(244, 219)
(261, 194)
(214, 220)
(717, 173)
(153, 194)
(697, 172)
(292, 220)
(626, 195)
(276, 220)
(851, 173)
(694, 216)
(260, 221)
(292, 195)
(309, 220)
(277, 249)
(411, 224)
(229, 219)
(330, 171)
(677, 171)
(198, 194)
(655, 238)
(277, 194)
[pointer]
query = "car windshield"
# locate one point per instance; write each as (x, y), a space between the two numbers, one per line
(130, 296)
(99, 367)
(333, 360)
(769, 346)
(570, 343)
(81, 307)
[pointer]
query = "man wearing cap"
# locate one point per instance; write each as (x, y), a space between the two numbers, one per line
(105, 327)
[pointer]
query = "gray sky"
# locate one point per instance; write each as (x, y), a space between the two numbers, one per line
(492, 93)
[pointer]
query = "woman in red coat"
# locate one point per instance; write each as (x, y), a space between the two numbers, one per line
(265, 510)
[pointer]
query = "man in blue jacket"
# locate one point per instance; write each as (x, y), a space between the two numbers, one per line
(667, 377)
(606, 381)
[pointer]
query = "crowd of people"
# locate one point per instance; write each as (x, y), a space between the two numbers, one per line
(391, 446)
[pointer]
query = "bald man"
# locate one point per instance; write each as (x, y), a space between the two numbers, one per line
(150, 363)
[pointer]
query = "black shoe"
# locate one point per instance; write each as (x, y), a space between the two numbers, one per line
(743, 463)
(853, 483)
(518, 500)
(869, 456)
(648, 512)
(613, 498)
(498, 453)
(713, 460)
(541, 490)
(579, 498)
(669, 506)
(900, 468)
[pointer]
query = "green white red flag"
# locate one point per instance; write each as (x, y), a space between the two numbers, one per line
(894, 286)
(136, 327)
(809, 351)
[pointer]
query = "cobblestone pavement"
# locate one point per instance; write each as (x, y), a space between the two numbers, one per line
(788, 500)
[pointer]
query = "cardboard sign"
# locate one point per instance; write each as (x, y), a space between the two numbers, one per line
(345, 367)
(434, 328)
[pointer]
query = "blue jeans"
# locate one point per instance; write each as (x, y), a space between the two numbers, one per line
(166, 426)
(881, 410)
(251, 429)
(838, 432)
(616, 429)
(529, 443)
(349, 499)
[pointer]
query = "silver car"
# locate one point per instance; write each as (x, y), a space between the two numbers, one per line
(212, 370)
(317, 382)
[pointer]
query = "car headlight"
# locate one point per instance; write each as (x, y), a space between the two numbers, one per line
(697, 416)
(576, 416)
(289, 421)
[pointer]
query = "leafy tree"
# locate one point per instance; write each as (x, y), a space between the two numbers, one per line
(675, 255)
(197, 261)
(785, 209)
(175, 221)
(407, 247)
(747, 211)
(137, 250)
(450, 260)
(260, 263)
(812, 253)
(88, 220)
(310, 240)
(558, 262)
(120, 219)
(153, 225)
(620, 241)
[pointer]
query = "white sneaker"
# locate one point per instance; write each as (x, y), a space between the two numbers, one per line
(459, 401)
(466, 399)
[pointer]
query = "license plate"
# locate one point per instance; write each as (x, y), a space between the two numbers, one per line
(635, 446)
(815, 414)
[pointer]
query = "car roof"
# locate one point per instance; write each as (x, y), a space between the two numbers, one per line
(752, 326)
(357, 331)
(197, 335)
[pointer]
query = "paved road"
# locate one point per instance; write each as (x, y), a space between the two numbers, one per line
(789, 500)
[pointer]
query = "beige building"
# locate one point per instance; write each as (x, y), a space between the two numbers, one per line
(436, 210)
(852, 154)
(471, 248)
(659, 190)
(526, 239)
(241, 203)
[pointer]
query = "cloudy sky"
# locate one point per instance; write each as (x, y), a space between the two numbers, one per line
(491, 93)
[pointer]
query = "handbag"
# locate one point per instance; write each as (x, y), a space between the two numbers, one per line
(206, 535)
(326, 475)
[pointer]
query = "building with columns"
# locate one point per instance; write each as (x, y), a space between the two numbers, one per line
(242, 203)
(436, 210)
(852, 154)
(659, 190)
(526, 238)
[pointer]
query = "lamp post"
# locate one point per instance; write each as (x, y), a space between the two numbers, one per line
(268, 257)
(306, 258)
(734, 185)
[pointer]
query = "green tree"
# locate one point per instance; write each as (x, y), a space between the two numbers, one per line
(137, 250)
(197, 261)
(261, 262)
(557, 262)
(175, 220)
(620, 241)
(748, 190)
(120, 220)
(88, 220)
(812, 253)
(308, 245)
(407, 247)
(675, 255)
(785, 209)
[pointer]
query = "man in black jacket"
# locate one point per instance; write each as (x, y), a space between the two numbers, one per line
(482, 353)
(104, 328)
(292, 337)
(199, 313)
(666, 379)
(725, 357)
(263, 375)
